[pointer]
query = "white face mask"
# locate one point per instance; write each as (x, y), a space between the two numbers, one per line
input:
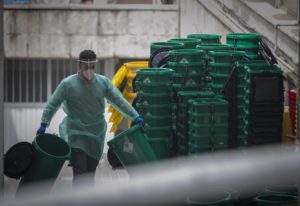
(88, 74)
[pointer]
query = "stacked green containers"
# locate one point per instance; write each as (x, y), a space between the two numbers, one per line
(154, 104)
(158, 45)
(182, 116)
(189, 69)
(245, 70)
(221, 64)
(208, 125)
(187, 42)
(247, 42)
(206, 38)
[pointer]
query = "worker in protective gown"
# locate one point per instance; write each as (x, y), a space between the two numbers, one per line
(84, 127)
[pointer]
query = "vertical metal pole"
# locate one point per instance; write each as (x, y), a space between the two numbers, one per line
(1, 99)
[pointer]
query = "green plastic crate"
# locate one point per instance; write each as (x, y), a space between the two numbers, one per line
(217, 88)
(252, 51)
(216, 140)
(185, 56)
(156, 98)
(242, 39)
(208, 130)
(158, 121)
(171, 45)
(207, 118)
(191, 67)
(184, 96)
(226, 57)
(195, 149)
(191, 87)
(219, 68)
(161, 88)
(187, 42)
(187, 79)
(154, 75)
(213, 47)
(155, 110)
(208, 105)
(154, 132)
(206, 38)
(161, 147)
(219, 78)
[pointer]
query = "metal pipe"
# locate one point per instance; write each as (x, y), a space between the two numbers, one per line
(277, 31)
(171, 182)
(1, 99)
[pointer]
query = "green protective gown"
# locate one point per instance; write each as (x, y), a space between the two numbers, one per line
(83, 102)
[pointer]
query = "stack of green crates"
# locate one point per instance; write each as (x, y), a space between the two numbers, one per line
(206, 38)
(247, 42)
(221, 64)
(154, 104)
(189, 68)
(208, 125)
(182, 116)
(187, 42)
(244, 70)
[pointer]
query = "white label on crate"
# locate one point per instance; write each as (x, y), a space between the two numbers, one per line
(184, 60)
(147, 80)
(128, 147)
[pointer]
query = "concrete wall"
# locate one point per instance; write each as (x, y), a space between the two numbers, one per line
(194, 18)
(63, 33)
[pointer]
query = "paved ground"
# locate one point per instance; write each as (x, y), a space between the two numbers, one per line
(64, 181)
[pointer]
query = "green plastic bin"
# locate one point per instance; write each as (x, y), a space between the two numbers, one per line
(162, 87)
(276, 200)
(206, 38)
(154, 75)
(220, 68)
(154, 98)
(226, 57)
(132, 147)
(187, 42)
(191, 67)
(159, 110)
(161, 147)
(242, 39)
(51, 153)
(213, 47)
(187, 78)
(154, 132)
(208, 105)
(187, 55)
(171, 45)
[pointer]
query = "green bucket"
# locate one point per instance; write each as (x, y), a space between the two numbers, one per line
(154, 98)
(155, 110)
(187, 42)
(132, 147)
(51, 153)
(276, 200)
(171, 45)
(213, 198)
(206, 38)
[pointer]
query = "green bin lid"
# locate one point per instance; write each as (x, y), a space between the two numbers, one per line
(243, 36)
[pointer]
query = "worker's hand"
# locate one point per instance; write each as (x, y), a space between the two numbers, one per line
(138, 120)
(42, 129)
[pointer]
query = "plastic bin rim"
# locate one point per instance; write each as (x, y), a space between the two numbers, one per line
(66, 156)
(154, 71)
(205, 36)
(167, 44)
(292, 198)
(184, 40)
(170, 63)
(186, 51)
(226, 53)
(243, 36)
